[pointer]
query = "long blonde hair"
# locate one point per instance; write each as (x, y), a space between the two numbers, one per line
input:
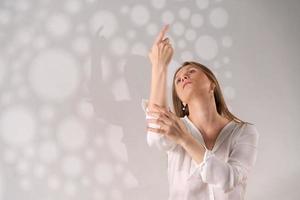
(219, 99)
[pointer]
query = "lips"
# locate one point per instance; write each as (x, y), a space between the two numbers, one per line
(186, 84)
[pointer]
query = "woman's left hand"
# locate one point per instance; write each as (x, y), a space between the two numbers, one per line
(170, 125)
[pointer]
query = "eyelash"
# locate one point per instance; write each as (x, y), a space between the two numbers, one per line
(189, 72)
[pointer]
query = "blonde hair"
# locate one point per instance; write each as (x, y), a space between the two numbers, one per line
(219, 99)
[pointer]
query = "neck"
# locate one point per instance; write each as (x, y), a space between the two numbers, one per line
(203, 113)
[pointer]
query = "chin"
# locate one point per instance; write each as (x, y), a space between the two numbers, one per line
(186, 97)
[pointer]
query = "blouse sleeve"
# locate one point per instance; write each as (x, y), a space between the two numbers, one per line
(156, 139)
(226, 175)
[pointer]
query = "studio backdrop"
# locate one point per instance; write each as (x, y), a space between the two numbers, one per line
(73, 74)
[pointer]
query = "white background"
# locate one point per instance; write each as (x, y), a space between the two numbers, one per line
(73, 74)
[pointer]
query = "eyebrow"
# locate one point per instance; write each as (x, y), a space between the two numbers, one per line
(179, 70)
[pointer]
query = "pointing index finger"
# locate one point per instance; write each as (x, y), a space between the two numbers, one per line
(161, 34)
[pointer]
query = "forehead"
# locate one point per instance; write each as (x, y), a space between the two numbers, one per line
(186, 67)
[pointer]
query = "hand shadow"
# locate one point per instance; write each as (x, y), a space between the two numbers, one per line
(147, 165)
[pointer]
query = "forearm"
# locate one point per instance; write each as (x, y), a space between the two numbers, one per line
(158, 93)
(193, 148)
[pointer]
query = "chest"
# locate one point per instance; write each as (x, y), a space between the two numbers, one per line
(209, 142)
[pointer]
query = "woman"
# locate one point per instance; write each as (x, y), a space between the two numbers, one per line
(210, 151)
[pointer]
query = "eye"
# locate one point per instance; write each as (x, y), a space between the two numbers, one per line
(191, 70)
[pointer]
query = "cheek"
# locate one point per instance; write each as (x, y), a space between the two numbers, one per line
(178, 92)
(175, 86)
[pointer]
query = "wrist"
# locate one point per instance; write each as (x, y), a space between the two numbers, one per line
(159, 68)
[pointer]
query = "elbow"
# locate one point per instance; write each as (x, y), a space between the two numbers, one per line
(160, 142)
(236, 177)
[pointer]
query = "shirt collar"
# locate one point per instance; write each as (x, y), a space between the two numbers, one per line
(224, 132)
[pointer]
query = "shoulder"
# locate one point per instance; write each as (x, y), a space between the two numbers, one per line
(247, 132)
(249, 128)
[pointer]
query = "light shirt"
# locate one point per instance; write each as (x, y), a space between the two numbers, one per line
(224, 170)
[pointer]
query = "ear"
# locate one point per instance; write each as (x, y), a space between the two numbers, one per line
(212, 86)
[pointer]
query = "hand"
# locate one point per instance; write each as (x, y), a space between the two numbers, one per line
(170, 125)
(161, 51)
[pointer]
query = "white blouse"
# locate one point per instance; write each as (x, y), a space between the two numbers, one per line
(224, 170)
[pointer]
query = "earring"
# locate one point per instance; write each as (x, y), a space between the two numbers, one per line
(184, 106)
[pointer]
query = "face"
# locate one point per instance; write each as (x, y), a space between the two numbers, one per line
(191, 81)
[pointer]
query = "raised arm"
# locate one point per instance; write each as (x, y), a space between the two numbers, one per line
(160, 56)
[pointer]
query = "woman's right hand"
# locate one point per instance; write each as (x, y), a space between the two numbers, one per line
(161, 52)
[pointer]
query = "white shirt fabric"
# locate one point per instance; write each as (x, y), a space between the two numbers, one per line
(224, 170)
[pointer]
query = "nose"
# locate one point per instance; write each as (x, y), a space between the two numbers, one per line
(185, 77)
